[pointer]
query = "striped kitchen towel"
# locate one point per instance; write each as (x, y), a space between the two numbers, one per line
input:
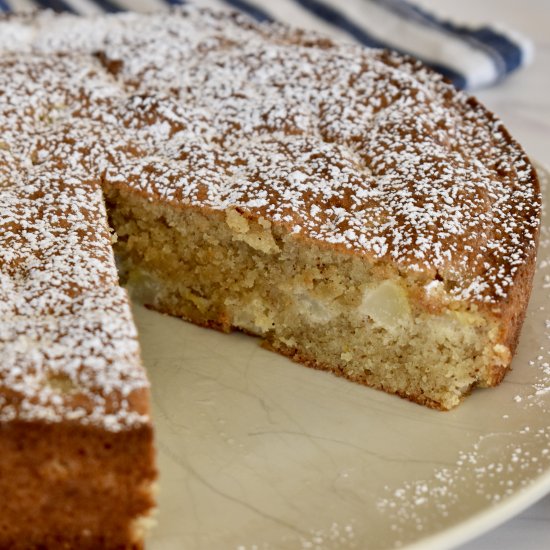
(472, 57)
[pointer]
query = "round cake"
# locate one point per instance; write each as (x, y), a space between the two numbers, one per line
(348, 206)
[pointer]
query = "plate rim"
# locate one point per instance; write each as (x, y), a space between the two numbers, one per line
(488, 519)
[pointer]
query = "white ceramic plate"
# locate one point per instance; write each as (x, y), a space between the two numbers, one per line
(257, 452)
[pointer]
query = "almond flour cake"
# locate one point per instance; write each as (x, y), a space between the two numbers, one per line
(346, 205)
(76, 463)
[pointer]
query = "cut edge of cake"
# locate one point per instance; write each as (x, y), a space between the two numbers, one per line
(93, 489)
(318, 304)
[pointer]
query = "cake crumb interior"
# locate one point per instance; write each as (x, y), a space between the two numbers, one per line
(313, 303)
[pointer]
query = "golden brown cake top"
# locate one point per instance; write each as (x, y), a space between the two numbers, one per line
(360, 149)
(68, 345)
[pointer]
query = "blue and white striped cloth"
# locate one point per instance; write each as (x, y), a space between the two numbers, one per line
(472, 57)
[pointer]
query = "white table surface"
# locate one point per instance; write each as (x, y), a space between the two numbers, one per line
(523, 102)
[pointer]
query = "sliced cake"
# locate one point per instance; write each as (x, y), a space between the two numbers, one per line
(346, 205)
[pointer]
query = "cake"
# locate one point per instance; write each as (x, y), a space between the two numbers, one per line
(348, 206)
(77, 463)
